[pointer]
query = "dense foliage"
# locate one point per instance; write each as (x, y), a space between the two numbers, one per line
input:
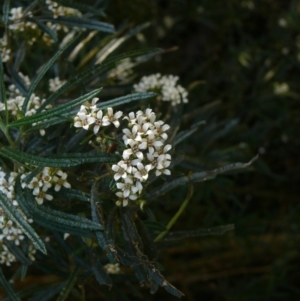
(103, 151)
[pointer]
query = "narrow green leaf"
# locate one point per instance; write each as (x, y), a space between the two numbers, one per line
(54, 112)
(81, 7)
(69, 285)
(156, 276)
(72, 194)
(197, 177)
(44, 28)
(62, 160)
(116, 42)
(6, 12)
(7, 287)
(99, 69)
(111, 103)
(102, 238)
(126, 99)
(12, 213)
(44, 70)
(81, 23)
(200, 232)
(58, 218)
(185, 134)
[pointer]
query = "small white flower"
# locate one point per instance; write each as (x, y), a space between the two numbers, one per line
(81, 120)
(35, 184)
(142, 171)
(62, 181)
(110, 117)
(120, 171)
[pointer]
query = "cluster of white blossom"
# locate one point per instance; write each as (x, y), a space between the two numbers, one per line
(15, 101)
(145, 141)
(147, 150)
(55, 84)
(166, 85)
(17, 20)
(18, 23)
(9, 230)
(5, 51)
(90, 115)
(58, 10)
(48, 177)
(40, 184)
(123, 70)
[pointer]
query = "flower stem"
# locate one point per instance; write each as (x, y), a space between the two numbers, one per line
(177, 215)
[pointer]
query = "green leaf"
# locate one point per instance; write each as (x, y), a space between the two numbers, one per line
(7, 287)
(80, 22)
(197, 177)
(57, 218)
(62, 160)
(185, 134)
(111, 103)
(54, 112)
(126, 99)
(69, 285)
(116, 42)
(98, 70)
(81, 7)
(72, 194)
(102, 238)
(44, 28)
(44, 70)
(12, 213)
(200, 232)
(6, 12)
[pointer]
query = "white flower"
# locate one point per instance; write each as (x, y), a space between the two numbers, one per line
(134, 150)
(110, 117)
(62, 181)
(81, 120)
(120, 171)
(97, 121)
(127, 187)
(142, 171)
(35, 184)
(162, 167)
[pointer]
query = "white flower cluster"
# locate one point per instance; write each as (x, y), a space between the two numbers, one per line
(147, 150)
(43, 181)
(166, 85)
(55, 84)
(15, 101)
(90, 115)
(58, 10)
(49, 177)
(5, 51)
(123, 70)
(17, 16)
(9, 230)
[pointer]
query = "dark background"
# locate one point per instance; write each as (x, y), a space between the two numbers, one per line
(233, 55)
